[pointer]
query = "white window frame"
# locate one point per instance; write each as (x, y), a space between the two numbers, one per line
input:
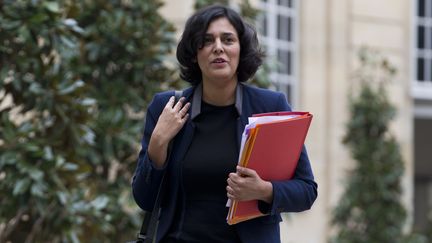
(422, 89)
(272, 44)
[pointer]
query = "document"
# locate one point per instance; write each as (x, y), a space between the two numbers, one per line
(271, 145)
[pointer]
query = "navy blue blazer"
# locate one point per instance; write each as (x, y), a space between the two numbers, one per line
(295, 195)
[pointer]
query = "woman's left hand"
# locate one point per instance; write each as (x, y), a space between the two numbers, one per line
(246, 184)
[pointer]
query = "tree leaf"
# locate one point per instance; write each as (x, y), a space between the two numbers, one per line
(62, 196)
(36, 174)
(48, 154)
(100, 202)
(70, 166)
(52, 6)
(21, 186)
(38, 189)
(71, 88)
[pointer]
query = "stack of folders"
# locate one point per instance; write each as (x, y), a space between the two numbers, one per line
(271, 145)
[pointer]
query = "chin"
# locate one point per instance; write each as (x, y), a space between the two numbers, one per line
(224, 76)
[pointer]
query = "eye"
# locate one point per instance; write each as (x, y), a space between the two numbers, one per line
(207, 40)
(229, 39)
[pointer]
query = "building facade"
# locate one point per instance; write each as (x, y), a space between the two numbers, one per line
(314, 45)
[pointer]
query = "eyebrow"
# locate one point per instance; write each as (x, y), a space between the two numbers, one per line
(223, 34)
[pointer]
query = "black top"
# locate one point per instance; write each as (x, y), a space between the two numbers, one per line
(212, 155)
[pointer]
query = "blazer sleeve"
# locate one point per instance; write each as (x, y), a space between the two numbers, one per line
(147, 178)
(297, 194)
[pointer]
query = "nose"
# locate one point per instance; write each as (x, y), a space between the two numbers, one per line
(218, 48)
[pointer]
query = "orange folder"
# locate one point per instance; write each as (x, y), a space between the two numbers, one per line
(272, 149)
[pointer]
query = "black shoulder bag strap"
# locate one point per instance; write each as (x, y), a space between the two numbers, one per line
(150, 222)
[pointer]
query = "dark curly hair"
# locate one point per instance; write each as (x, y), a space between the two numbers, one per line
(251, 56)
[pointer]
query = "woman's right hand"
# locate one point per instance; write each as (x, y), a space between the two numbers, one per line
(170, 121)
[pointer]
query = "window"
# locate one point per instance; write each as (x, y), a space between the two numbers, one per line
(422, 85)
(278, 35)
(422, 94)
(422, 174)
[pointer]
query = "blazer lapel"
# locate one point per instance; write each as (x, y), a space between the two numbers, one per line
(185, 136)
(184, 140)
(241, 123)
(243, 110)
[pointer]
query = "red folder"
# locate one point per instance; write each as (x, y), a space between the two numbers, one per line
(272, 149)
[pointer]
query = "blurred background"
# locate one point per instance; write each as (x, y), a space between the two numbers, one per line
(76, 77)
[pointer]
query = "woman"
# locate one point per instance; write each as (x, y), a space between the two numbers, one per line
(217, 52)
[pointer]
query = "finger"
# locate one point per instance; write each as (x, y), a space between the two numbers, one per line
(184, 118)
(232, 184)
(232, 178)
(184, 110)
(241, 179)
(230, 193)
(170, 102)
(229, 182)
(245, 171)
(179, 104)
(229, 190)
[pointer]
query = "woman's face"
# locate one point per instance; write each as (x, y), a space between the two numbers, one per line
(219, 57)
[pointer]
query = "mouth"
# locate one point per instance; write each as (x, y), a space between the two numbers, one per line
(219, 60)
